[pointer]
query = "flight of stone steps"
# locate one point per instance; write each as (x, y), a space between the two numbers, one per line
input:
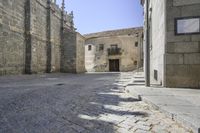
(138, 79)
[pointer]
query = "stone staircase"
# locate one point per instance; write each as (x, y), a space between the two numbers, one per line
(138, 79)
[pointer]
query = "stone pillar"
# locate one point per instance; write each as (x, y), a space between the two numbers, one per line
(28, 38)
(62, 38)
(49, 47)
(31, 39)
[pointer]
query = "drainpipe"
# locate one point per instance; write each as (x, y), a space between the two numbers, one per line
(147, 58)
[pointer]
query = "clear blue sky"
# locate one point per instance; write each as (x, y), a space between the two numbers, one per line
(100, 15)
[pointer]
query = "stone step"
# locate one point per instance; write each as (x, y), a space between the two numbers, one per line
(137, 76)
(136, 83)
(138, 80)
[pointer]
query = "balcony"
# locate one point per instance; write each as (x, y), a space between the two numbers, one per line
(114, 51)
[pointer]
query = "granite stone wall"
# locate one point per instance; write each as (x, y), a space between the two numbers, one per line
(38, 30)
(176, 58)
(31, 37)
(12, 40)
(56, 40)
(80, 53)
(182, 51)
(69, 52)
(73, 52)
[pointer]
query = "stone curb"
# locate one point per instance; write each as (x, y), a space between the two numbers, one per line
(171, 115)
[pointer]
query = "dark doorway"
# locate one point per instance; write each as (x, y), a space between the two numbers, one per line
(114, 65)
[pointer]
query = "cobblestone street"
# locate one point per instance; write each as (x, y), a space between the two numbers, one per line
(84, 103)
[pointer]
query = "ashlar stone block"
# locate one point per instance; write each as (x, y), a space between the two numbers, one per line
(174, 58)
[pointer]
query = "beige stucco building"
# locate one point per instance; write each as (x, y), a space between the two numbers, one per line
(117, 50)
(173, 41)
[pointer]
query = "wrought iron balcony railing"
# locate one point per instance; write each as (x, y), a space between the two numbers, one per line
(114, 51)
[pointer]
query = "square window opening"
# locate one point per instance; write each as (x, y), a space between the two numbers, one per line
(101, 47)
(114, 46)
(89, 47)
(155, 74)
(136, 44)
(135, 63)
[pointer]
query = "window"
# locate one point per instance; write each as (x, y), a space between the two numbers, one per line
(89, 47)
(155, 74)
(136, 44)
(101, 47)
(184, 26)
(114, 50)
(135, 63)
(97, 58)
(114, 46)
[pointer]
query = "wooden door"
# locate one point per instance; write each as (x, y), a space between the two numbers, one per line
(114, 65)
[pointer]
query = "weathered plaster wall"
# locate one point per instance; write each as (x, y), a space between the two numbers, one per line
(90, 57)
(157, 40)
(98, 60)
(183, 51)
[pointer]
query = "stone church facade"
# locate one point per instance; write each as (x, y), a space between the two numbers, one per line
(112, 51)
(36, 37)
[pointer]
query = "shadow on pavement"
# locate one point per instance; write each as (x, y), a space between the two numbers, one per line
(74, 104)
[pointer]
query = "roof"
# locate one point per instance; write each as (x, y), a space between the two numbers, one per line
(114, 32)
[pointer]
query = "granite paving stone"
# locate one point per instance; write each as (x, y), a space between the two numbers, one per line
(77, 103)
